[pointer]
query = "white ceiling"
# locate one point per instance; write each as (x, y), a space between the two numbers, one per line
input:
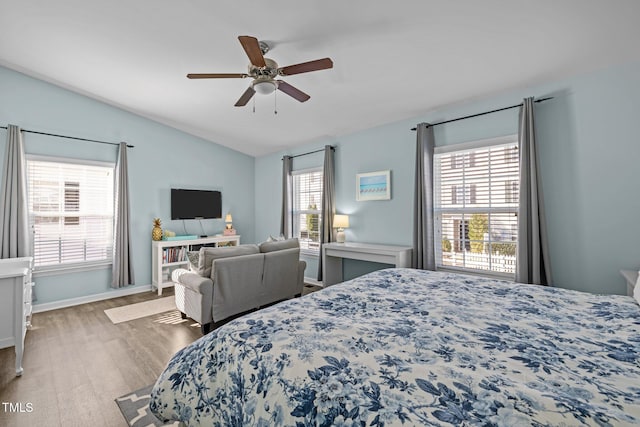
(393, 60)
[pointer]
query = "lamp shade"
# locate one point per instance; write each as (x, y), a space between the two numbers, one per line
(340, 221)
(228, 218)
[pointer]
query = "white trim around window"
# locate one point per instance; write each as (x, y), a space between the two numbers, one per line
(475, 207)
(71, 210)
(306, 221)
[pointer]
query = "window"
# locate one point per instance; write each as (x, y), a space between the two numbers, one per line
(476, 205)
(511, 154)
(461, 194)
(459, 160)
(72, 202)
(307, 209)
(71, 206)
(511, 191)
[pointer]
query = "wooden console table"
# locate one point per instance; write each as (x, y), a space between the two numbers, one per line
(334, 253)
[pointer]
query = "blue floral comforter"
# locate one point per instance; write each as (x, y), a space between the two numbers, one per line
(409, 347)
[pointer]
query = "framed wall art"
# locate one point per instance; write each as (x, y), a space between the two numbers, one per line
(373, 186)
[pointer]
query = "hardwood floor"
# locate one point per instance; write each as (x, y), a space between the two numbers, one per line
(77, 362)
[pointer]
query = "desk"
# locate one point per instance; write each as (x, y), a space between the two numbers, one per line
(334, 253)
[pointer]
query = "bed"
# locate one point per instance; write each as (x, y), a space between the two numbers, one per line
(410, 347)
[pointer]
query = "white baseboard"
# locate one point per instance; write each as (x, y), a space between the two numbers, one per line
(310, 281)
(47, 306)
(7, 342)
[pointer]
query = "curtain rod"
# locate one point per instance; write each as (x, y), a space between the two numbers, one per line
(482, 114)
(310, 152)
(69, 137)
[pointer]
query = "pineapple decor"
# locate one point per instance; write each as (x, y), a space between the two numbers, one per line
(156, 234)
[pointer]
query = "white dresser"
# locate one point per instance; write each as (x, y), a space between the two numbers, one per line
(15, 304)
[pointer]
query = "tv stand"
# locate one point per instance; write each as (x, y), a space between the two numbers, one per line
(167, 255)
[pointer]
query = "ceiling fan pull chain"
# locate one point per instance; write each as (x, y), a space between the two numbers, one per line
(275, 102)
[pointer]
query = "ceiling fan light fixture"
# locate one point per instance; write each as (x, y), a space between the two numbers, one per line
(264, 72)
(264, 87)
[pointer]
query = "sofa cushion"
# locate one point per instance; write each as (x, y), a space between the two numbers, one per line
(237, 284)
(281, 279)
(279, 245)
(207, 255)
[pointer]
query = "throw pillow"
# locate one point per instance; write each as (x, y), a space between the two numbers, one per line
(275, 239)
(208, 255)
(193, 257)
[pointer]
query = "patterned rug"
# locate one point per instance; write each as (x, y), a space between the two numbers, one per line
(135, 408)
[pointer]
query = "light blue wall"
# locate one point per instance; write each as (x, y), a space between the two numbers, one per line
(162, 158)
(589, 151)
(589, 154)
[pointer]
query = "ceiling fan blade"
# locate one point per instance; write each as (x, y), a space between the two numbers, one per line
(292, 91)
(217, 76)
(252, 47)
(246, 96)
(305, 67)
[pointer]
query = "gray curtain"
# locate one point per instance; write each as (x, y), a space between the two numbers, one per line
(15, 240)
(122, 267)
(423, 234)
(533, 254)
(286, 228)
(328, 203)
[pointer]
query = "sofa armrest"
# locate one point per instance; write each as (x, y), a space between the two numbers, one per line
(193, 294)
(193, 281)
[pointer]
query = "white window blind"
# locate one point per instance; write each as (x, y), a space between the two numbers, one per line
(476, 205)
(307, 209)
(71, 207)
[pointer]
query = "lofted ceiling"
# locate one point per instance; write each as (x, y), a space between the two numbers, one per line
(392, 60)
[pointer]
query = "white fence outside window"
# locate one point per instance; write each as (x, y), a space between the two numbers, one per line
(480, 261)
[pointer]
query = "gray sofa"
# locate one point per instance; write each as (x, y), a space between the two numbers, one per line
(222, 282)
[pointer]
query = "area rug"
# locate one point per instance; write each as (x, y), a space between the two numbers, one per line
(135, 408)
(141, 309)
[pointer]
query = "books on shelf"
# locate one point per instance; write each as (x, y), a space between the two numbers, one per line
(176, 254)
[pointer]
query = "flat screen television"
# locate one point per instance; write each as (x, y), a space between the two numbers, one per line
(195, 204)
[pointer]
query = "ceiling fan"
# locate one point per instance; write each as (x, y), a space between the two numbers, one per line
(264, 71)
